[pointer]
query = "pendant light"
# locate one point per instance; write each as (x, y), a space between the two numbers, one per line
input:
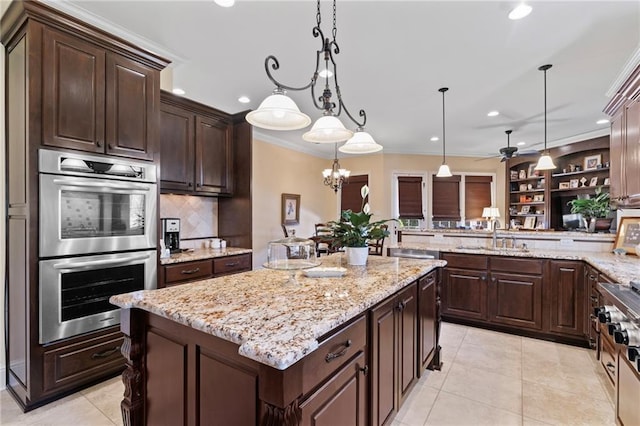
(336, 175)
(279, 112)
(443, 171)
(545, 162)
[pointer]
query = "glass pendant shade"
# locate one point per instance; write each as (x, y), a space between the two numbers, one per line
(545, 163)
(360, 143)
(327, 129)
(444, 171)
(278, 112)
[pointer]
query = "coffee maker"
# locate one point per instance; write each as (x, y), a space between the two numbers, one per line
(171, 233)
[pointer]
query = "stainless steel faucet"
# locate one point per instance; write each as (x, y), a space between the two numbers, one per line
(494, 227)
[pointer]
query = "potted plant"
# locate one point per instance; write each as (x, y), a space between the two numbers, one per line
(354, 230)
(594, 210)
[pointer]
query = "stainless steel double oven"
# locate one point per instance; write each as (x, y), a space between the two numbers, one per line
(98, 233)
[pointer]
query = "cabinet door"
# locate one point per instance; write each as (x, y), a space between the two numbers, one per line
(516, 300)
(383, 371)
(465, 293)
(566, 298)
(341, 400)
(632, 153)
(176, 149)
(73, 93)
(133, 96)
(407, 340)
(616, 151)
(213, 156)
(427, 318)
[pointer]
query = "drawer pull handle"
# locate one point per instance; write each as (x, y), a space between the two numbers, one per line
(106, 353)
(190, 271)
(611, 367)
(230, 264)
(364, 369)
(594, 298)
(333, 355)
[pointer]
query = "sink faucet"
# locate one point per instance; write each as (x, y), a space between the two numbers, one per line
(494, 228)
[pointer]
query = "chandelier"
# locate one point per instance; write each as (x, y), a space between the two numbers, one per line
(280, 112)
(335, 176)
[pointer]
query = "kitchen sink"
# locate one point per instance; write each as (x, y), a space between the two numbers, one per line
(508, 249)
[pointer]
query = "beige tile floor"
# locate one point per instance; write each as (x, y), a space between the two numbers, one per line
(488, 378)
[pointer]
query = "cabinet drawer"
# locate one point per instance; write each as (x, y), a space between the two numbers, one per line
(515, 265)
(232, 264)
(466, 261)
(188, 271)
(608, 357)
(70, 365)
(333, 353)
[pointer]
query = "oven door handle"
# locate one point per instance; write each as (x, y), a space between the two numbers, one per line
(102, 184)
(91, 264)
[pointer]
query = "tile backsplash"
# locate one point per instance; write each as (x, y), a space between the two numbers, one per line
(198, 215)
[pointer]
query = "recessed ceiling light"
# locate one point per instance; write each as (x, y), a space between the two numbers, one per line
(520, 11)
(603, 121)
(493, 113)
(178, 91)
(225, 3)
(325, 73)
(244, 99)
(522, 143)
(434, 139)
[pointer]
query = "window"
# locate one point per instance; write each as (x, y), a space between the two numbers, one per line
(410, 197)
(350, 198)
(477, 195)
(446, 198)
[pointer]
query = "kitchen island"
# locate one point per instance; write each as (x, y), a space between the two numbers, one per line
(252, 348)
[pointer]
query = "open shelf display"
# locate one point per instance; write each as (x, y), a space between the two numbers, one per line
(581, 168)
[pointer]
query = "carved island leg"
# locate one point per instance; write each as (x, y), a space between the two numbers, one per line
(132, 406)
(276, 416)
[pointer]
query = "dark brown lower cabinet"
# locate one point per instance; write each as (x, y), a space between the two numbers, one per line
(536, 297)
(394, 356)
(516, 300)
(566, 298)
(465, 293)
(341, 400)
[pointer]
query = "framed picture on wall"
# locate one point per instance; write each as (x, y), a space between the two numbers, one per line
(290, 209)
(628, 236)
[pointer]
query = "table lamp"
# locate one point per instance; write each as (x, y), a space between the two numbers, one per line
(491, 213)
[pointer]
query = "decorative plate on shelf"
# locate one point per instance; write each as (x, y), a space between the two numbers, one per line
(324, 272)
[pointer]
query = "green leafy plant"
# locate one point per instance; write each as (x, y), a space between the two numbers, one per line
(592, 207)
(356, 229)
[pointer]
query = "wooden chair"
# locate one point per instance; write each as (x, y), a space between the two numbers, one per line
(324, 239)
(376, 247)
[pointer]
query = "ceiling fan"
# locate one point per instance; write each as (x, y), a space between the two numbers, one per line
(509, 151)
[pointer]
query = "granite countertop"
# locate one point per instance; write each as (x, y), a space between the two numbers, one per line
(541, 234)
(621, 269)
(275, 322)
(199, 254)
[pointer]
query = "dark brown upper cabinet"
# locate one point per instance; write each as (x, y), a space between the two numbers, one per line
(196, 153)
(96, 100)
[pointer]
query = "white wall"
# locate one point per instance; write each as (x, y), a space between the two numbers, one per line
(278, 170)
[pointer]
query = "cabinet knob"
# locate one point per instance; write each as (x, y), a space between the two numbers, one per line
(189, 184)
(98, 144)
(364, 369)
(110, 146)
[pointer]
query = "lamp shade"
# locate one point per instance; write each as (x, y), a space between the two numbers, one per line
(491, 212)
(444, 171)
(327, 129)
(545, 163)
(278, 112)
(360, 143)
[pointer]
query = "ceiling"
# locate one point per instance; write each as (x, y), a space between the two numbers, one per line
(394, 57)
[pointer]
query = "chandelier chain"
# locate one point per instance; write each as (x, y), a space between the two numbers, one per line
(335, 28)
